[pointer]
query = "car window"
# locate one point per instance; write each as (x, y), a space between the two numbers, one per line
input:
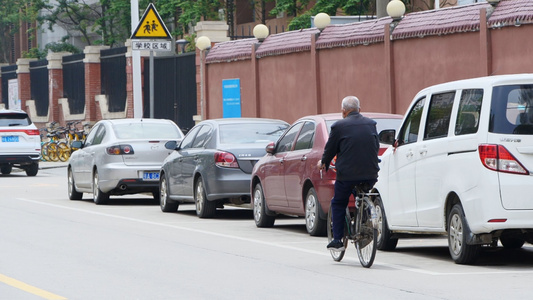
(286, 142)
(100, 134)
(409, 131)
(512, 109)
(440, 111)
(249, 133)
(306, 137)
(189, 138)
(92, 134)
(202, 136)
(15, 119)
(468, 114)
(146, 130)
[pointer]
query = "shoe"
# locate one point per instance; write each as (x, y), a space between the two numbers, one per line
(336, 245)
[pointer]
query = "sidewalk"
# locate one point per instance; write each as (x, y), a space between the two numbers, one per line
(52, 164)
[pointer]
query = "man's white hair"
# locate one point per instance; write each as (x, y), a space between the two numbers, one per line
(351, 103)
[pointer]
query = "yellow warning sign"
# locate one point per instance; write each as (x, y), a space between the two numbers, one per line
(151, 26)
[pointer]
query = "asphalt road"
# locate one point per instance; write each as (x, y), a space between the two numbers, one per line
(54, 248)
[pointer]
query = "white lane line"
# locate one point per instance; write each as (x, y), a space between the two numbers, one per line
(321, 253)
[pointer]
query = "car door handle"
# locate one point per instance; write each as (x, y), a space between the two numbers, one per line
(304, 158)
(423, 151)
(409, 154)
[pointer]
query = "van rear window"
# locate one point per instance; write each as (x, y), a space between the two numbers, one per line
(512, 109)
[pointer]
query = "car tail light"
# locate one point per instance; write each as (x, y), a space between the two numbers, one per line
(120, 150)
(26, 131)
(226, 160)
(498, 158)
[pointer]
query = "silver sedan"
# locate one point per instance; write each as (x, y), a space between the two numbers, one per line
(120, 157)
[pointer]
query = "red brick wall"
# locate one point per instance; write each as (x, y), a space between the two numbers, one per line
(55, 79)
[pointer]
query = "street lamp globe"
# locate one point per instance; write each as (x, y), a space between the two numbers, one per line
(260, 32)
(203, 43)
(396, 9)
(322, 20)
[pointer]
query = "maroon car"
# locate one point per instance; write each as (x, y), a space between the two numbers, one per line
(286, 180)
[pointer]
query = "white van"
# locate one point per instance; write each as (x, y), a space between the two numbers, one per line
(461, 164)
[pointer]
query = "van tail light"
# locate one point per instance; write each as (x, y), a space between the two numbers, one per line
(119, 150)
(226, 160)
(498, 158)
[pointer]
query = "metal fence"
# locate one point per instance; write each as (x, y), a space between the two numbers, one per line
(8, 72)
(113, 77)
(39, 86)
(174, 91)
(74, 82)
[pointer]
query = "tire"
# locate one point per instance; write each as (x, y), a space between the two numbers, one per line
(73, 194)
(52, 151)
(63, 151)
(6, 169)
(313, 223)
(366, 240)
(44, 152)
(336, 255)
(204, 208)
(384, 239)
(99, 197)
(511, 243)
(32, 169)
(260, 217)
(166, 204)
(458, 231)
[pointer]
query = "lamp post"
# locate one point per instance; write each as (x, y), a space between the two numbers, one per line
(260, 32)
(180, 44)
(203, 43)
(322, 20)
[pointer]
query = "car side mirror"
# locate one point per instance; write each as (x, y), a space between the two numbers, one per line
(76, 144)
(387, 136)
(171, 145)
(270, 148)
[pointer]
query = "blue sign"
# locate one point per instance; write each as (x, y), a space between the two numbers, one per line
(231, 98)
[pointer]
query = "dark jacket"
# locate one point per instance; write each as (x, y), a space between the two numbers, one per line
(354, 140)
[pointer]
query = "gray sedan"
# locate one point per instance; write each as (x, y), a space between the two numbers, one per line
(120, 157)
(213, 164)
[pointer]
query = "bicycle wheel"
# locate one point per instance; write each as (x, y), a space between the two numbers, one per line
(52, 151)
(63, 151)
(44, 152)
(336, 255)
(366, 241)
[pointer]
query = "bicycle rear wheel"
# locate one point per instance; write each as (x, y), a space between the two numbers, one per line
(63, 151)
(336, 255)
(53, 152)
(366, 238)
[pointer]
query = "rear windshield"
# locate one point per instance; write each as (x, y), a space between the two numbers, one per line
(14, 119)
(250, 133)
(512, 109)
(382, 124)
(147, 131)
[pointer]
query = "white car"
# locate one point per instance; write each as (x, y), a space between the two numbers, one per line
(120, 157)
(461, 165)
(20, 144)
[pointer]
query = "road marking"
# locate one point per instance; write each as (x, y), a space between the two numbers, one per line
(321, 253)
(30, 289)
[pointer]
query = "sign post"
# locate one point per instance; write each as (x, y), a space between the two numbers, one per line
(151, 34)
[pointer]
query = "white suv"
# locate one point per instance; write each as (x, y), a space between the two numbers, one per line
(20, 143)
(462, 165)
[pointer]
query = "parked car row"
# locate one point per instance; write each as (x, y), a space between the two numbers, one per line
(459, 164)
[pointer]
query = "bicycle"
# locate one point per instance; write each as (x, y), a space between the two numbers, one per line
(360, 227)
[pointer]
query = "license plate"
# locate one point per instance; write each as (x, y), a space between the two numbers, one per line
(10, 139)
(151, 175)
